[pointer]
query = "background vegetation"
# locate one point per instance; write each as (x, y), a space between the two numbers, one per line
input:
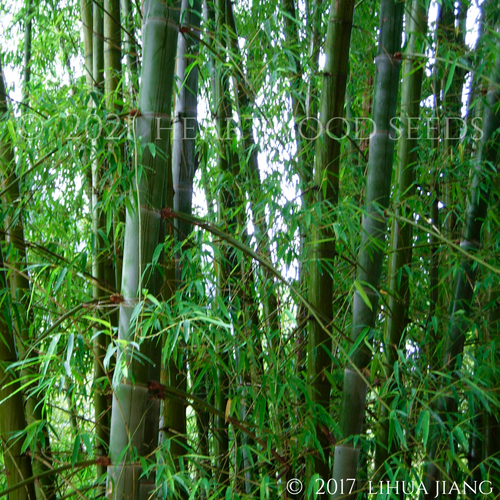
(249, 243)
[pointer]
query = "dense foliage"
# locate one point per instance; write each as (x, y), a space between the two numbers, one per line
(245, 244)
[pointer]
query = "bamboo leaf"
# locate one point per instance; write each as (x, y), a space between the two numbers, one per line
(69, 348)
(264, 488)
(187, 329)
(50, 354)
(76, 450)
(157, 253)
(111, 349)
(361, 338)
(363, 295)
(459, 433)
(59, 281)
(451, 74)
(31, 430)
(423, 426)
(87, 443)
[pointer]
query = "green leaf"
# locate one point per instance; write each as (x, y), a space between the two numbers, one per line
(109, 352)
(87, 443)
(157, 253)
(31, 430)
(222, 307)
(450, 76)
(264, 488)
(459, 433)
(423, 425)
(69, 348)
(76, 450)
(60, 279)
(361, 338)
(363, 295)
(50, 353)
(153, 300)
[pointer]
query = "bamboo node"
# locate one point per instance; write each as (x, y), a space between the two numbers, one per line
(167, 213)
(116, 298)
(105, 461)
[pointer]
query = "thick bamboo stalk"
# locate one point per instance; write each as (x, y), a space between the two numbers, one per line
(184, 160)
(313, 97)
(184, 163)
(326, 181)
(135, 414)
(370, 256)
(86, 11)
(112, 54)
(402, 234)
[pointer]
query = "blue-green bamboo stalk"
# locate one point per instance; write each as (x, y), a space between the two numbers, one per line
(326, 183)
(135, 414)
(402, 234)
(374, 229)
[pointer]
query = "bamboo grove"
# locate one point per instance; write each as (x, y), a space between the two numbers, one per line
(250, 249)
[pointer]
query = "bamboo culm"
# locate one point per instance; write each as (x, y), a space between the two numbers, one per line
(374, 229)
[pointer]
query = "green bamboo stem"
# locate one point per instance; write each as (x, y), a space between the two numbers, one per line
(112, 55)
(113, 75)
(184, 160)
(27, 50)
(135, 416)
(326, 180)
(20, 286)
(401, 233)
(227, 262)
(312, 97)
(370, 257)
(305, 149)
(12, 418)
(100, 338)
(466, 277)
(86, 12)
(297, 95)
(184, 163)
(98, 44)
(130, 46)
(173, 372)
(450, 34)
(203, 418)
